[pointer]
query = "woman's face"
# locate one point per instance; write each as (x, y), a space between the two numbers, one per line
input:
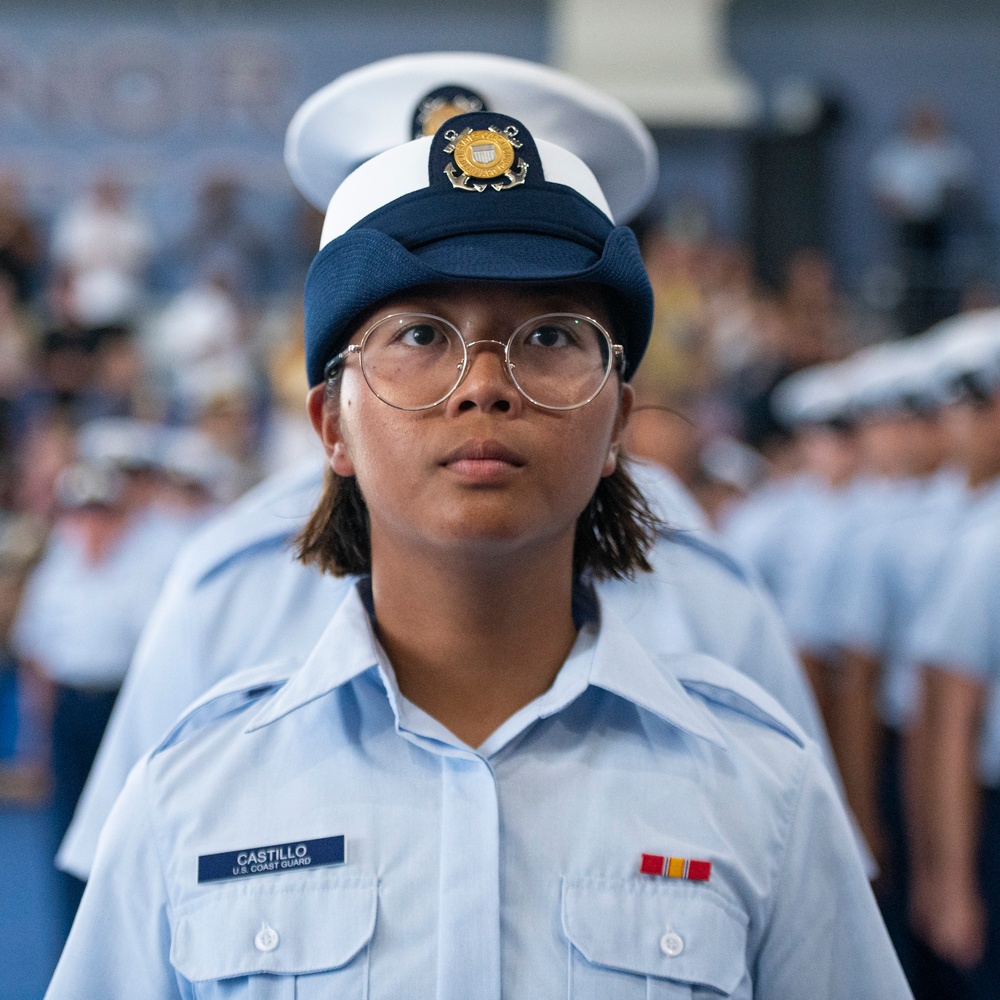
(485, 472)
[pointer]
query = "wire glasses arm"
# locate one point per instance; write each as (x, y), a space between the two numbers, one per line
(334, 363)
(618, 357)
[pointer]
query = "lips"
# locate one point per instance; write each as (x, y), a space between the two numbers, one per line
(485, 452)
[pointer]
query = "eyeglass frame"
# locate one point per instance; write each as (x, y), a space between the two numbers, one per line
(616, 358)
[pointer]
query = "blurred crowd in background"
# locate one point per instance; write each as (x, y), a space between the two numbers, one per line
(145, 385)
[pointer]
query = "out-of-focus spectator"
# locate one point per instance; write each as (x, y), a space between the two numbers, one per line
(17, 340)
(199, 325)
(819, 327)
(45, 450)
(289, 438)
(731, 307)
(221, 400)
(20, 243)
(83, 609)
(223, 242)
(119, 374)
(809, 323)
(198, 477)
(65, 382)
(20, 546)
(918, 179)
(675, 357)
(102, 245)
(17, 355)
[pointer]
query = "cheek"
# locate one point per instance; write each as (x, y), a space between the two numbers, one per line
(379, 443)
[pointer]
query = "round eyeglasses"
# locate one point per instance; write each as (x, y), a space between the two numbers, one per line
(413, 361)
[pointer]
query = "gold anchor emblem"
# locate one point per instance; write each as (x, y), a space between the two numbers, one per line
(484, 154)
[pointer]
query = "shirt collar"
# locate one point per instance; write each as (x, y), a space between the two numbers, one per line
(612, 659)
(624, 668)
(346, 649)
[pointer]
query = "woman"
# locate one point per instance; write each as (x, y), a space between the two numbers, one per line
(478, 784)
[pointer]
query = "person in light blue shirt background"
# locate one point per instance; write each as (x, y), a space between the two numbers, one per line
(83, 608)
(957, 895)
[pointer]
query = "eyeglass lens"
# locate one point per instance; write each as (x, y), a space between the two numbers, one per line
(415, 361)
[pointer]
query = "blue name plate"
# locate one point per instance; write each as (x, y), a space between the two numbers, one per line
(288, 857)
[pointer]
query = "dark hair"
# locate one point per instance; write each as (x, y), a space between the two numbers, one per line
(613, 534)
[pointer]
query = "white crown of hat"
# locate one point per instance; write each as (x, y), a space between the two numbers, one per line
(966, 344)
(816, 394)
(370, 110)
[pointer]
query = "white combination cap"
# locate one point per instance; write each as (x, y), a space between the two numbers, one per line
(967, 345)
(819, 394)
(120, 442)
(385, 104)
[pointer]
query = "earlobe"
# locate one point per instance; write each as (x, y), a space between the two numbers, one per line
(624, 409)
(325, 420)
(611, 462)
(340, 460)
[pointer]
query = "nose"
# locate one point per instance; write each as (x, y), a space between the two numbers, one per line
(486, 384)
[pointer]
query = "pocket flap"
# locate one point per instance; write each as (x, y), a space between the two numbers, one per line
(669, 929)
(311, 922)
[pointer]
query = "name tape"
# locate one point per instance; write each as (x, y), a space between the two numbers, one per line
(275, 858)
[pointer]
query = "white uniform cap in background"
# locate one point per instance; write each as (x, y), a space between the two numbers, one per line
(120, 442)
(895, 375)
(369, 110)
(729, 461)
(192, 457)
(967, 344)
(818, 394)
(88, 484)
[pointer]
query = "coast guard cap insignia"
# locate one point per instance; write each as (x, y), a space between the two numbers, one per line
(484, 154)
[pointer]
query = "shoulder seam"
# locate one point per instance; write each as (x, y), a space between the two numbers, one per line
(706, 548)
(763, 716)
(252, 692)
(205, 574)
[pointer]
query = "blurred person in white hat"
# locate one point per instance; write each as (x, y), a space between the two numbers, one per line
(956, 764)
(82, 611)
(102, 244)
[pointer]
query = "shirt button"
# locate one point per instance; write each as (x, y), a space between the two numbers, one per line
(267, 938)
(671, 944)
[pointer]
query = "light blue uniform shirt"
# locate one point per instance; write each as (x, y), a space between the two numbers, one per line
(81, 620)
(756, 531)
(959, 622)
(237, 598)
(507, 871)
(893, 563)
(823, 542)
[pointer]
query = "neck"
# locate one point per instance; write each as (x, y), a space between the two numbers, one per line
(473, 640)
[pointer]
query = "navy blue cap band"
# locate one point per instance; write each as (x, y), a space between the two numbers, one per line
(530, 232)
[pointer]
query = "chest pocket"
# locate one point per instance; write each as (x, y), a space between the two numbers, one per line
(653, 939)
(286, 937)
